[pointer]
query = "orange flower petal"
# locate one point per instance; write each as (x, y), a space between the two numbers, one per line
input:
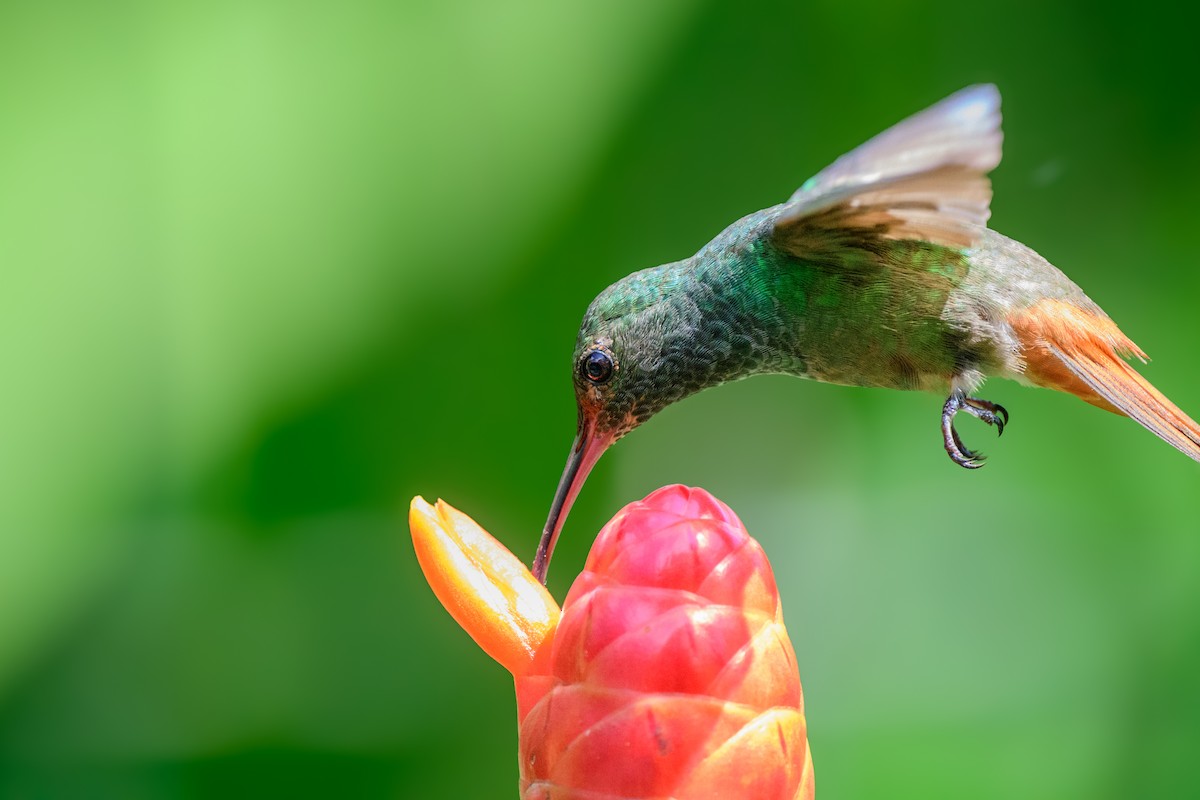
(487, 589)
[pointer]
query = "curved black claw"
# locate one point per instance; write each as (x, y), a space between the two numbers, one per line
(959, 453)
(991, 413)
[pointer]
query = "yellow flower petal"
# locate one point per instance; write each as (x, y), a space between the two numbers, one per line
(487, 589)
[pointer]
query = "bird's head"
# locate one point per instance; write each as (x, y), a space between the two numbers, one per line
(631, 348)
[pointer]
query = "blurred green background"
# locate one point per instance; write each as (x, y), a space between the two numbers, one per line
(269, 269)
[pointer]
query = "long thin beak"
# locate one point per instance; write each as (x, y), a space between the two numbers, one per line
(585, 452)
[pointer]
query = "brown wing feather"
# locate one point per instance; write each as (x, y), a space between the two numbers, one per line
(1077, 351)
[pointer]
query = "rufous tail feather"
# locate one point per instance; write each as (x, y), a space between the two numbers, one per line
(1074, 350)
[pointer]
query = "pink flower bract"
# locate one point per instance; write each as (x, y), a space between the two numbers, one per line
(671, 673)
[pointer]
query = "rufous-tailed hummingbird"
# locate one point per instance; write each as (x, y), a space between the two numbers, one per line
(878, 271)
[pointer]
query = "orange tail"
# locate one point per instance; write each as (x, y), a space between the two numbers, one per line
(1074, 350)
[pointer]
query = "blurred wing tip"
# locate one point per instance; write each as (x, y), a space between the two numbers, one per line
(974, 112)
(976, 106)
(977, 100)
(960, 130)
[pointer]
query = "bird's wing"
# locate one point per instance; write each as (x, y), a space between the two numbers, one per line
(924, 179)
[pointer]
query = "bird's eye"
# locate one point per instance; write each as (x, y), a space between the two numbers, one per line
(597, 366)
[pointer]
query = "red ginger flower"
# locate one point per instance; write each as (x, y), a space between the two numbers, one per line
(669, 674)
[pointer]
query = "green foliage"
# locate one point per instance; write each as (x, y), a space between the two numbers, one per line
(271, 269)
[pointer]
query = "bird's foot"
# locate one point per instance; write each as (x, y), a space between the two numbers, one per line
(991, 413)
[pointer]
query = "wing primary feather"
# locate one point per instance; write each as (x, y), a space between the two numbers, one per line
(923, 179)
(962, 130)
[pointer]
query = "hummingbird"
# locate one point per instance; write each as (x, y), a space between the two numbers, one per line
(879, 271)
